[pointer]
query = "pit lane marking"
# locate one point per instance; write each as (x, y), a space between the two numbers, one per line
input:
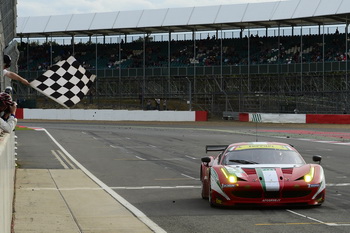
(137, 213)
(59, 159)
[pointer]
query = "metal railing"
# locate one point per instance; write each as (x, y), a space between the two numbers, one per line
(336, 66)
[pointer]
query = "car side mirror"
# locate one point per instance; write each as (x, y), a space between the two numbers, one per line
(206, 160)
(317, 158)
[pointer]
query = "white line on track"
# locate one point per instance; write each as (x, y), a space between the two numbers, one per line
(59, 159)
(190, 157)
(140, 215)
(189, 176)
(66, 159)
(339, 185)
(316, 220)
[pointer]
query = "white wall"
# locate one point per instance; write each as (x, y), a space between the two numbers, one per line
(108, 115)
(7, 171)
(277, 118)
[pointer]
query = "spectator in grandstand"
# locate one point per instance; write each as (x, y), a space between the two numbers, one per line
(149, 105)
(337, 31)
(8, 90)
(165, 105)
(141, 98)
(12, 75)
(8, 109)
(157, 104)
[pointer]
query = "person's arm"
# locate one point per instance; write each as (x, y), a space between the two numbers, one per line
(11, 122)
(9, 125)
(15, 76)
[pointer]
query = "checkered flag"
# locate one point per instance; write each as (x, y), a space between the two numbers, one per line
(66, 82)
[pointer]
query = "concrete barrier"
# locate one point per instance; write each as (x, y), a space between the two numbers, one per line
(7, 176)
(328, 119)
(272, 118)
(111, 115)
(295, 118)
(277, 118)
(155, 115)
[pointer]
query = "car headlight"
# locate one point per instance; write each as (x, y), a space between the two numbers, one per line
(309, 176)
(231, 178)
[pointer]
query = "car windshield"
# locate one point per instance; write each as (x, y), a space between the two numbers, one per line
(262, 156)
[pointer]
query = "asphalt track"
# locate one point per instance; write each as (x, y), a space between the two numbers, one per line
(155, 167)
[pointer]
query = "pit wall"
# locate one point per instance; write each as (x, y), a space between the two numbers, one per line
(7, 177)
(110, 115)
(295, 118)
(154, 115)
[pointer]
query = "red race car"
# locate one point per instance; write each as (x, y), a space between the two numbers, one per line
(261, 173)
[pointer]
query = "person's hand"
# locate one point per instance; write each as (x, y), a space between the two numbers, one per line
(13, 108)
(25, 82)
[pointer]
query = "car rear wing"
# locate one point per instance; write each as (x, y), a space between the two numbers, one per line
(215, 148)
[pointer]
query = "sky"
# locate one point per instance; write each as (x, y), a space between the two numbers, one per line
(45, 8)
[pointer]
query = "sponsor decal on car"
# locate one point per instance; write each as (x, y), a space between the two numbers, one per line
(228, 185)
(271, 200)
(260, 146)
(215, 183)
(313, 185)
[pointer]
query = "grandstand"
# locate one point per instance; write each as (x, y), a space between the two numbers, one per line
(259, 68)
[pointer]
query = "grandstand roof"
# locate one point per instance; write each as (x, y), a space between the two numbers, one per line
(205, 18)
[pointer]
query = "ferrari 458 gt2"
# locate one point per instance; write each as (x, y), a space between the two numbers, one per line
(261, 173)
